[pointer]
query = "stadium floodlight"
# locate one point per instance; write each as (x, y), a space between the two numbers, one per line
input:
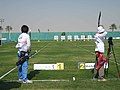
(39, 35)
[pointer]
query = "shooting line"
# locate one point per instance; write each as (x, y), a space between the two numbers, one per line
(46, 80)
(36, 52)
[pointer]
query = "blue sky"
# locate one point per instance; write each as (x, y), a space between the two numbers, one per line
(59, 15)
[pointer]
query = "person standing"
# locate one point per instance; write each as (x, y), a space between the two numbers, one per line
(99, 51)
(23, 47)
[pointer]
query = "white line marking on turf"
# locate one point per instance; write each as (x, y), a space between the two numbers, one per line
(39, 50)
(45, 80)
(65, 80)
(57, 80)
(108, 79)
(16, 66)
(8, 72)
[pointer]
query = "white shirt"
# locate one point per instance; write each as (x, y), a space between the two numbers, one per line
(23, 42)
(99, 41)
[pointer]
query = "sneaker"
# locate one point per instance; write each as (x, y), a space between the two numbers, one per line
(20, 80)
(102, 79)
(27, 81)
(94, 79)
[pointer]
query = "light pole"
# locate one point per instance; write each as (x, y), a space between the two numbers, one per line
(48, 34)
(1, 21)
(39, 35)
(1, 28)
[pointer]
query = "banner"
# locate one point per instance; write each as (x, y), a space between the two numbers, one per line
(57, 66)
(83, 65)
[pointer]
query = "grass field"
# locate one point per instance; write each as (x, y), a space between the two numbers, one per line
(69, 53)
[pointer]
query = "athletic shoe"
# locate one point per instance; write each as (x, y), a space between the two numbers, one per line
(102, 79)
(94, 79)
(27, 81)
(20, 80)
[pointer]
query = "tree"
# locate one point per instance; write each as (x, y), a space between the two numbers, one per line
(119, 27)
(9, 29)
(113, 27)
(1, 28)
(63, 34)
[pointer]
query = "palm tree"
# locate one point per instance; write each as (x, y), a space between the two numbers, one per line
(1, 28)
(113, 27)
(9, 29)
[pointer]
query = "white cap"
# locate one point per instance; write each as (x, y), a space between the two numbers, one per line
(100, 29)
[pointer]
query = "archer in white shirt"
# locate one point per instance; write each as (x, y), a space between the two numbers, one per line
(99, 51)
(23, 47)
